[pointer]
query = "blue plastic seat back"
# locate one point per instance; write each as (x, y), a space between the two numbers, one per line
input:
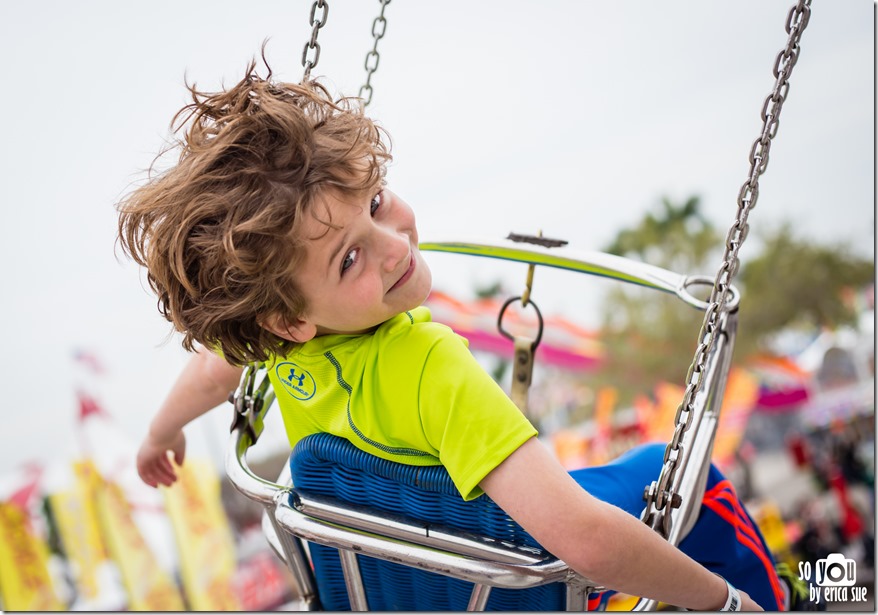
(328, 465)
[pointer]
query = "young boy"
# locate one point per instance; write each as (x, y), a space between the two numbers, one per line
(274, 239)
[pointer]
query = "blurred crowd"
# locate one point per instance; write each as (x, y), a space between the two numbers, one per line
(840, 460)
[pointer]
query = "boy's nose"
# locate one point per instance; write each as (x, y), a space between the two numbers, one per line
(396, 250)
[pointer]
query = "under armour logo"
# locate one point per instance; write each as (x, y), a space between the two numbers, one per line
(296, 380)
(293, 376)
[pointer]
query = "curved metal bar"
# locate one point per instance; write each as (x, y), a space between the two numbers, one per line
(251, 403)
(431, 559)
(241, 476)
(400, 527)
(732, 301)
(562, 257)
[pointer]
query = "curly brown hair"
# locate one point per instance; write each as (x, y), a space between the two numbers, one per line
(219, 231)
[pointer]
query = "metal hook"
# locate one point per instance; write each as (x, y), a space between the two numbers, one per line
(511, 337)
(523, 361)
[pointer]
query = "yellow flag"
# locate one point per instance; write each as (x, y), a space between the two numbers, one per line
(70, 515)
(149, 587)
(204, 539)
(75, 514)
(25, 583)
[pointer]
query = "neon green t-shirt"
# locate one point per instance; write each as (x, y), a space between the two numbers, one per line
(410, 392)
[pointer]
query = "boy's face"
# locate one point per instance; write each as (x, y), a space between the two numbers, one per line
(362, 270)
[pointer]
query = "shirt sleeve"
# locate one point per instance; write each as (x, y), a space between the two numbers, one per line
(466, 416)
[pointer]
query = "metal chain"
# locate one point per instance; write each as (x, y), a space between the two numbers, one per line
(311, 51)
(659, 498)
(372, 57)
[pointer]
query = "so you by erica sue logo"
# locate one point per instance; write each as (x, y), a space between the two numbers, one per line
(296, 380)
(832, 579)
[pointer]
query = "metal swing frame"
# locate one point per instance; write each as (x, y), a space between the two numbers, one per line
(671, 502)
(293, 519)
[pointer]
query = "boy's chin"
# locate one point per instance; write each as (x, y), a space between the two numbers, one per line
(423, 297)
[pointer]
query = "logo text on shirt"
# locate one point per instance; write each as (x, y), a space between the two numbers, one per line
(297, 381)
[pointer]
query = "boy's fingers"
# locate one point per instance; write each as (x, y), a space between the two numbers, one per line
(166, 475)
(163, 464)
(149, 478)
(158, 472)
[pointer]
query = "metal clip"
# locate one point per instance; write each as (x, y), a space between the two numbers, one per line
(246, 404)
(522, 371)
(523, 360)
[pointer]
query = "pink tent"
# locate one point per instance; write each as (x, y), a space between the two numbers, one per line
(564, 344)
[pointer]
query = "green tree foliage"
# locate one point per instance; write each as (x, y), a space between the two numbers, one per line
(678, 238)
(650, 336)
(790, 283)
(797, 284)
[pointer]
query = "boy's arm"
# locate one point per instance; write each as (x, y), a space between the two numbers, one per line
(598, 540)
(203, 384)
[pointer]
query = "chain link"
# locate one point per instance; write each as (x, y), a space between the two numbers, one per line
(311, 51)
(660, 500)
(379, 27)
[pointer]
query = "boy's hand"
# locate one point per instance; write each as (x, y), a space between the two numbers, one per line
(153, 464)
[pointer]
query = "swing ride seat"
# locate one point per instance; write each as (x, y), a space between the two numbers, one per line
(386, 536)
(329, 470)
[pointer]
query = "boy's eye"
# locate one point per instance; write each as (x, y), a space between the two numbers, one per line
(349, 260)
(376, 203)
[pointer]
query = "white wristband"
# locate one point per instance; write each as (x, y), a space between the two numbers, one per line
(733, 600)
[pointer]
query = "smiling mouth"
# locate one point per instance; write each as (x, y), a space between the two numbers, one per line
(408, 273)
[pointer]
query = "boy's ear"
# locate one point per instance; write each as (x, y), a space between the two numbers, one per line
(298, 330)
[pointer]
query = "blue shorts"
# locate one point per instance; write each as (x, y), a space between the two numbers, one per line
(725, 539)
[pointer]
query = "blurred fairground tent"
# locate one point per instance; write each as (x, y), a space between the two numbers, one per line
(564, 344)
(829, 377)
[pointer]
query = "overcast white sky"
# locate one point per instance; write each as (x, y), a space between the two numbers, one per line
(574, 117)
